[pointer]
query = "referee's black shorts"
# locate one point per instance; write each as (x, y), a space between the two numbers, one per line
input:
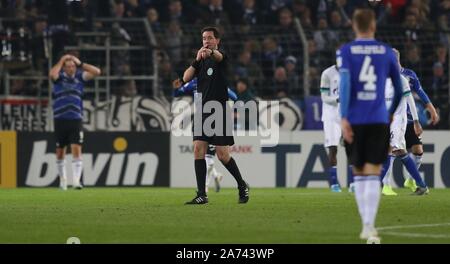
(222, 136)
(370, 144)
(411, 137)
(68, 132)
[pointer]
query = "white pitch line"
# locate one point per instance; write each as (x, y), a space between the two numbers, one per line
(412, 226)
(402, 234)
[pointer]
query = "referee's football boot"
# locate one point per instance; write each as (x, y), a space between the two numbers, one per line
(244, 193)
(199, 199)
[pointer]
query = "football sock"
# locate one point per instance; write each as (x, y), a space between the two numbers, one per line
(367, 194)
(200, 174)
(359, 195)
(350, 174)
(61, 166)
(388, 176)
(418, 160)
(234, 170)
(372, 193)
(333, 175)
(77, 168)
(386, 170)
(412, 169)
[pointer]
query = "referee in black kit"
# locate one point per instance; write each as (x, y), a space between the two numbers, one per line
(210, 68)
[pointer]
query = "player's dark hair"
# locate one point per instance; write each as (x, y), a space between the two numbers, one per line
(363, 19)
(212, 29)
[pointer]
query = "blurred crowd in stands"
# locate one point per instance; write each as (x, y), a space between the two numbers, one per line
(261, 37)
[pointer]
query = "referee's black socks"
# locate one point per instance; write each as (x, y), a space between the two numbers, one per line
(234, 170)
(200, 174)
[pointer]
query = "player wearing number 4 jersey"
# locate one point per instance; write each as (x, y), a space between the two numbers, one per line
(364, 65)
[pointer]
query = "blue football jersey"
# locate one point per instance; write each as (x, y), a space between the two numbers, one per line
(191, 88)
(67, 96)
(366, 64)
(416, 87)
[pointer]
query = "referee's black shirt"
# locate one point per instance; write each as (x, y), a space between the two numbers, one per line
(212, 79)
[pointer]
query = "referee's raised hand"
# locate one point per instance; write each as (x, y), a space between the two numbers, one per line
(199, 55)
(204, 53)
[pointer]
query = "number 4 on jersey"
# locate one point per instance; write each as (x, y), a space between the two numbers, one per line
(367, 75)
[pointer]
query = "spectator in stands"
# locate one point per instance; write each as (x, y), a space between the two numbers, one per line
(246, 68)
(423, 7)
(336, 20)
(323, 36)
(290, 64)
(133, 9)
(299, 7)
(17, 87)
(345, 13)
(249, 13)
(306, 19)
(338, 27)
(175, 12)
(320, 8)
(166, 75)
(13, 9)
(413, 59)
(397, 10)
(37, 46)
(153, 20)
(421, 15)
(382, 10)
(314, 80)
(412, 27)
(315, 58)
(243, 90)
(272, 7)
(439, 84)
(174, 42)
(441, 55)
(216, 14)
(243, 94)
(127, 88)
(253, 46)
(271, 56)
(288, 36)
(285, 19)
(58, 21)
(444, 30)
(119, 36)
(197, 12)
(438, 56)
(280, 82)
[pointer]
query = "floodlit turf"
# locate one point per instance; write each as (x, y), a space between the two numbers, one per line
(158, 215)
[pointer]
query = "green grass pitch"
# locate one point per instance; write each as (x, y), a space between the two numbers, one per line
(158, 215)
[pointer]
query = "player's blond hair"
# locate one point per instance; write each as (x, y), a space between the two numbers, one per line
(363, 19)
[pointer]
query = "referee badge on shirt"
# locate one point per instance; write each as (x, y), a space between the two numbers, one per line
(210, 71)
